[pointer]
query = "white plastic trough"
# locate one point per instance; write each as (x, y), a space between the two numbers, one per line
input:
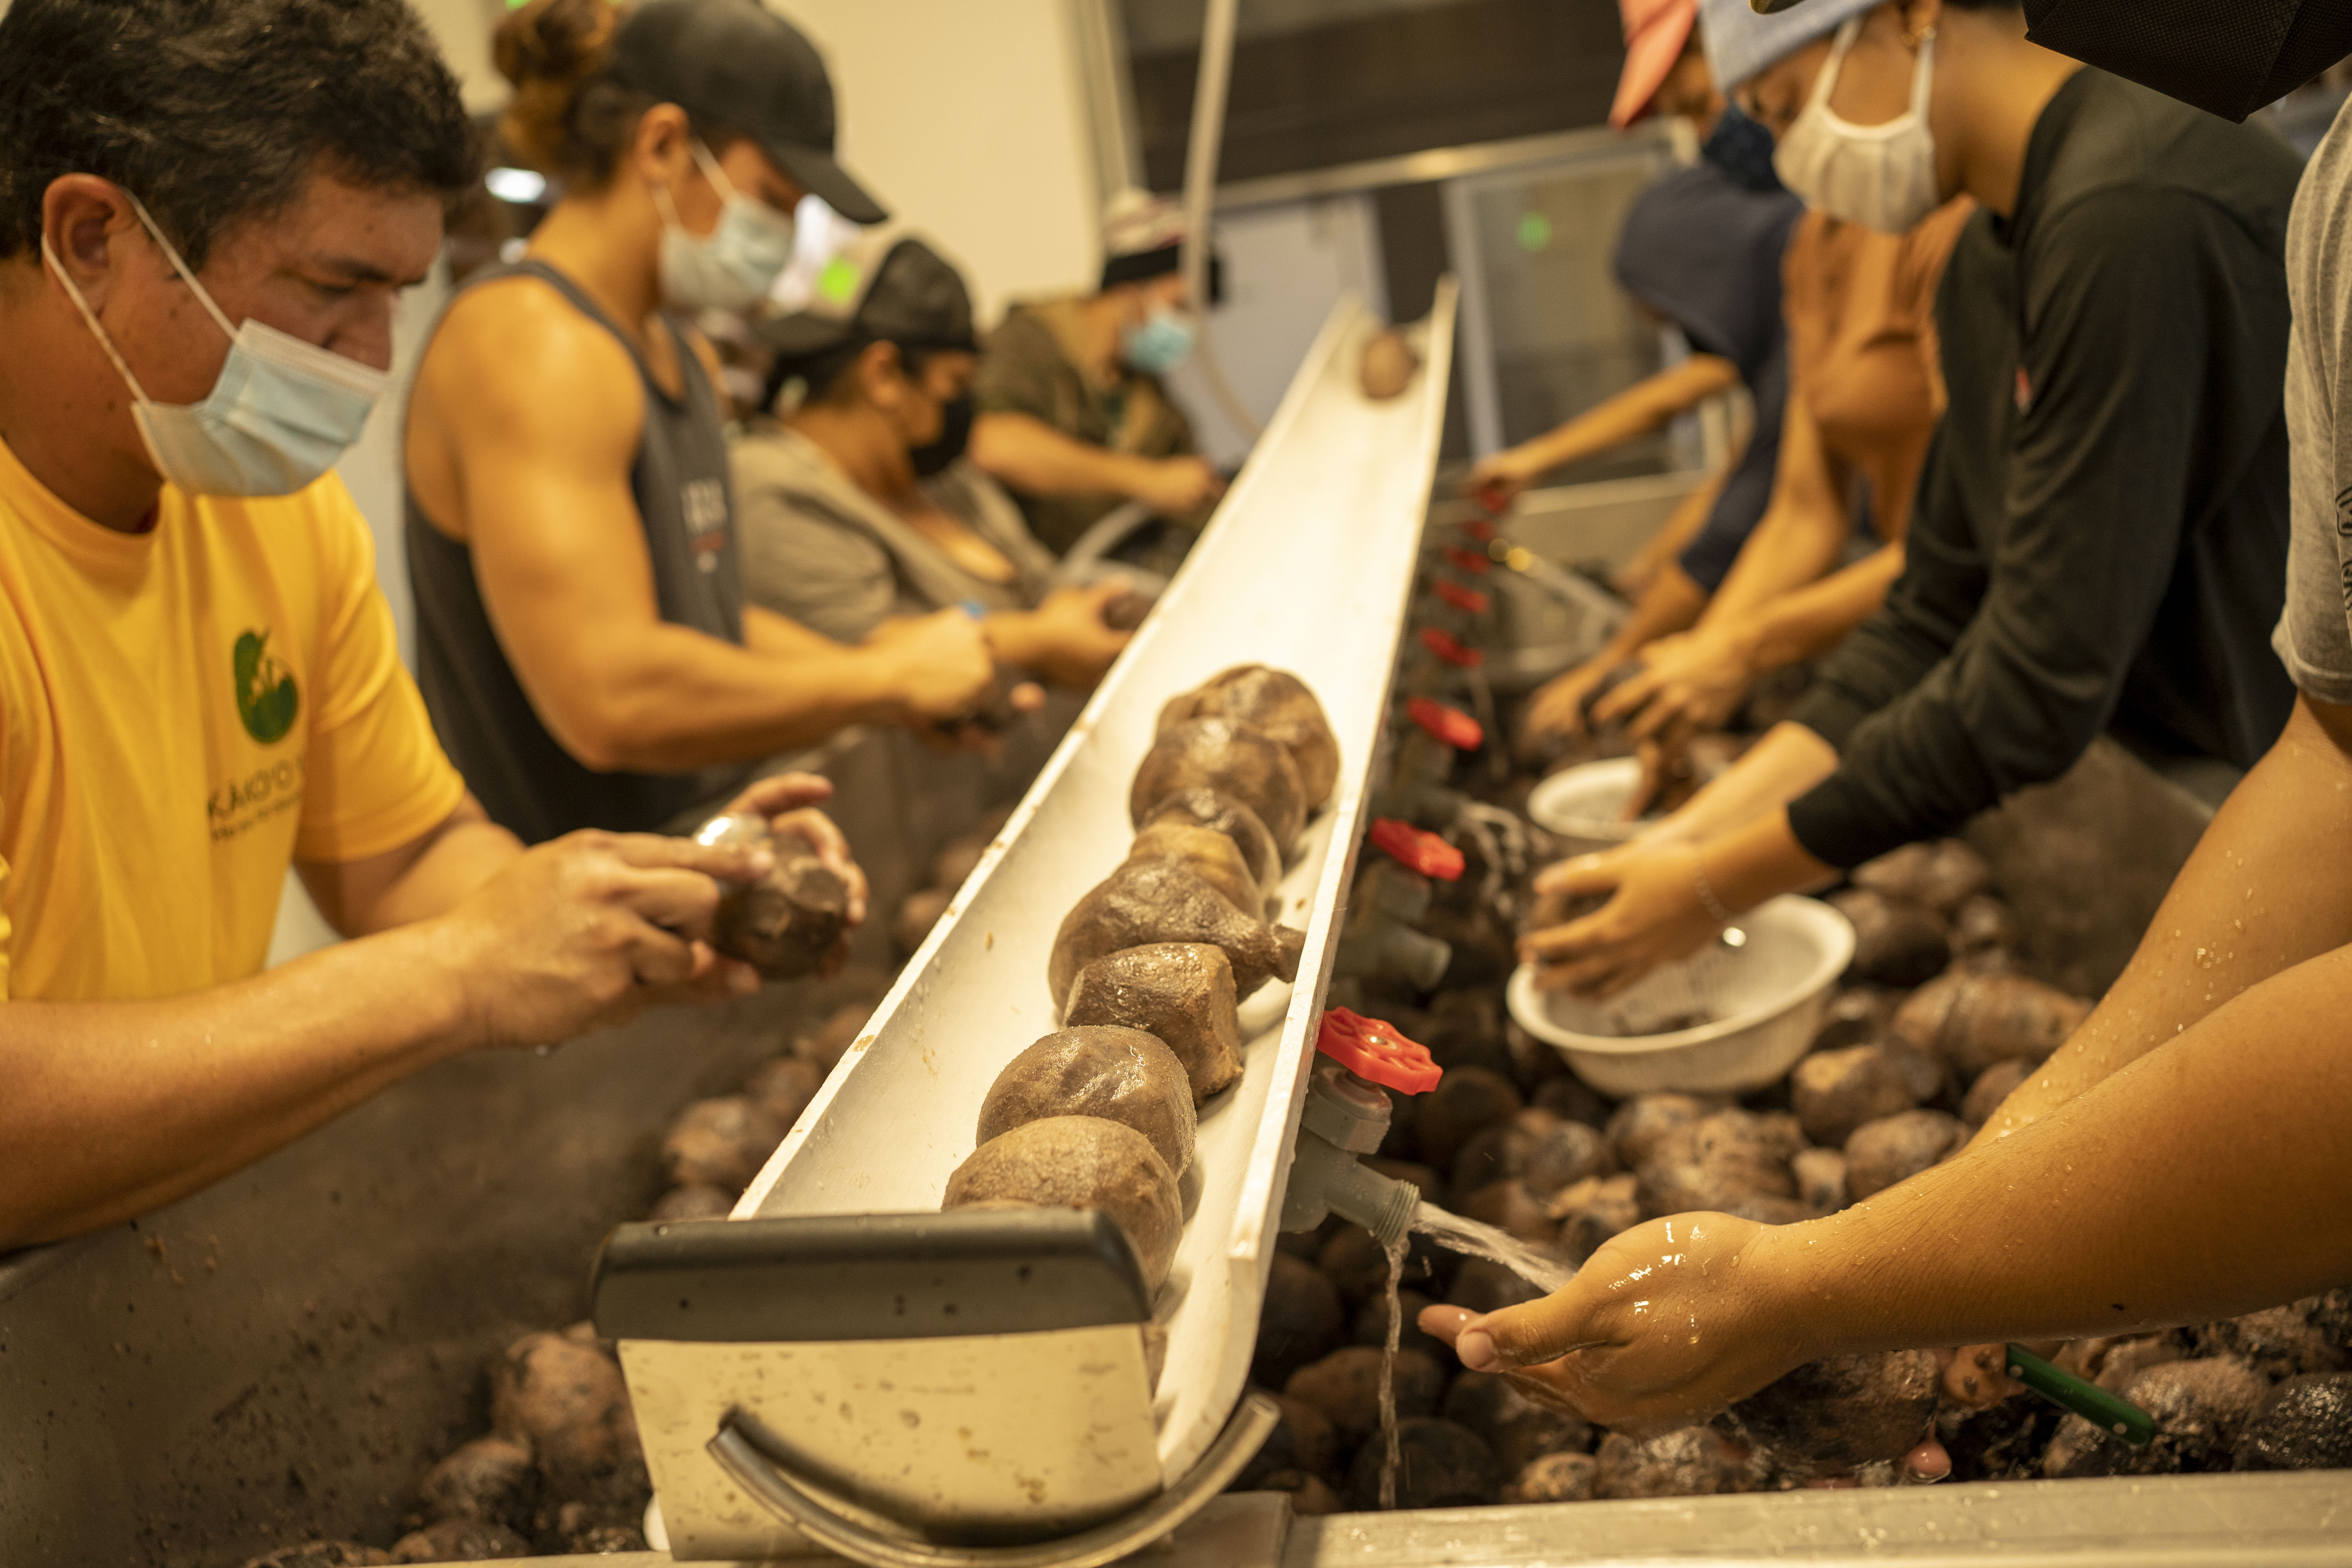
(1308, 566)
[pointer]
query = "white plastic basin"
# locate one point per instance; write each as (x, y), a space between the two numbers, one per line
(1585, 805)
(1766, 998)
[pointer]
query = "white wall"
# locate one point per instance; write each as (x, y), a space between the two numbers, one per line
(966, 118)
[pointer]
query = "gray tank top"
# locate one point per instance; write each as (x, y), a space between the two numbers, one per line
(528, 782)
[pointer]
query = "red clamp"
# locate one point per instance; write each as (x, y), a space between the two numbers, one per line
(1377, 1051)
(1417, 851)
(1469, 560)
(1450, 650)
(1461, 598)
(1447, 726)
(1479, 529)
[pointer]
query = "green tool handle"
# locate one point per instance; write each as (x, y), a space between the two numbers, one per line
(2119, 1417)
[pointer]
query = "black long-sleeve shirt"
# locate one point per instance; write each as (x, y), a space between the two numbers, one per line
(2100, 536)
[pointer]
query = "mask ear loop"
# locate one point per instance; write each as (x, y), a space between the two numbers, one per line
(89, 319)
(186, 272)
(1840, 45)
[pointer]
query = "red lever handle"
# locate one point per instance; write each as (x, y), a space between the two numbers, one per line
(1418, 851)
(1448, 726)
(1469, 560)
(1449, 649)
(1460, 597)
(1377, 1051)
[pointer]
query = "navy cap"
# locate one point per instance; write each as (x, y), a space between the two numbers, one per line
(739, 63)
(882, 287)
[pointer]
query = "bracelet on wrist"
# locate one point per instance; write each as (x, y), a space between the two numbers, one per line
(1714, 906)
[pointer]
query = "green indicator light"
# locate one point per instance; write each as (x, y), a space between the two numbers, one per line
(1535, 232)
(838, 282)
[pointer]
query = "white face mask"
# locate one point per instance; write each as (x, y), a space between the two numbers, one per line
(279, 414)
(731, 267)
(1880, 176)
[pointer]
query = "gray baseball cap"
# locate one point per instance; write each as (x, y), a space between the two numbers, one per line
(737, 62)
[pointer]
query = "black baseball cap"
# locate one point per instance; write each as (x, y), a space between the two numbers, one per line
(879, 288)
(737, 62)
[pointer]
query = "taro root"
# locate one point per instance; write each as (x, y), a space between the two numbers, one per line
(1993, 1085)
(2200, 1409)
(719, 1143)
(1372, 1325)
(1689, 1461)
(1277, 704)
(1831, 1417)
(321, 1555)
(2003, 1441)
(1118, 1074)
(789, 922)
(1895, 1148)
(1127, 612)
(830, 1040)
(1718, 1162)
(1345, 1387)
(693, 1201)
(1231, 758)
(1301, 1321)
(1180, 991)
(2306, 1425)
(1833, 1093)
(1207, 854)
(1569, 1100)
(1439, 1465)
(1554, 1478)
(1224, 813)
(1984, 925)
(1482, 1286)
(1140, 904)
(1897, 942)
(1465, 1100)
(918, 911)
(566, 1401)
(459, 1541)
(1303, 1442)
(1081, 1162)
(1638, 1123)
(2112, 1363)
(959, 858)
(1942, 875)
(1974, 1019)
(1509, 1207)
(1388, 365)
(1855, 1017)
(783, 1088)
(1820, 1175)
(1514, 1427)
(1595, 1209)
(1535, 1147)
(601, 1540)
(2277, 1341)
(489, 1479)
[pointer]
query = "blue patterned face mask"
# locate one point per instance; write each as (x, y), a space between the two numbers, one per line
(731, 267)
(279, 414)
(1159, 342)
(1741, 149)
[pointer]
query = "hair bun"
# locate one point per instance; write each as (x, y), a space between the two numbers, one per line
(550, 49)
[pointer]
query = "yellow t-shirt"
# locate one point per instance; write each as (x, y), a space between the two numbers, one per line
(183, 713)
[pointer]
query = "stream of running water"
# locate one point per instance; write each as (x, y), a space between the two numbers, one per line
(1540, 1268)
(1396, 1252)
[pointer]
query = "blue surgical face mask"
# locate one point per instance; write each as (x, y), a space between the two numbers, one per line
(1159, 342)
(731, 267)
(280, 413)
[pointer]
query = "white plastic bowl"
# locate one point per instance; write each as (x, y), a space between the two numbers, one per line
(1585, 805)
(1767, 998)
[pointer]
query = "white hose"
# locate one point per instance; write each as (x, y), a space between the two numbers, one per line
(1207, 138)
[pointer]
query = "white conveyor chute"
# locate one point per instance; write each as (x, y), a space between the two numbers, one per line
(1308, 566)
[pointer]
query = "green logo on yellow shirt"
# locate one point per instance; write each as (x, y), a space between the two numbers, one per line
(267, 698)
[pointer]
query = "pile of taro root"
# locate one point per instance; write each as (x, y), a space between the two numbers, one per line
(1932, 1027)
(1149, 969)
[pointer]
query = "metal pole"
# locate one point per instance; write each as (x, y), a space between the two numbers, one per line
(1208, 134)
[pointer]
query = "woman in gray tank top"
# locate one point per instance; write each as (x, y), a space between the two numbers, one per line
(583, 643)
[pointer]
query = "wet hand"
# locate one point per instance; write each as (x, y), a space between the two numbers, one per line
(1178, 487)
(1556, 709)
(1498, 479)
(587, 931)
(1072, 645)
(783, 801)
(1654, 916)
(1667, 1321)
(941, 665)
(1687, 683)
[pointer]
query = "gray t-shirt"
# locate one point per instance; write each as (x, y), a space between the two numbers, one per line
(2314, 634)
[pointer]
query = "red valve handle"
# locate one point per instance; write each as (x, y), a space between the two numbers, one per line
(1418, 851)
(1460, 597)
(1469, 560)
(1479, 529)
(1450, 650)
(1377, 1051)
(1447, 726)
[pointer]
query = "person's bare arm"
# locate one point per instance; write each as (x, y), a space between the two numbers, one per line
(560, 555)
(1664, 547)
(116, 1107)
(1636, 411)
(1024, 452)
(2202, 1180)
(1803, 532)
(417, 881)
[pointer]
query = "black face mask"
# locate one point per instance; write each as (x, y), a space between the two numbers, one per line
(955, 434)
(1741, 149)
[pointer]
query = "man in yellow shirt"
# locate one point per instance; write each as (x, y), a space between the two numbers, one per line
(206, 212)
